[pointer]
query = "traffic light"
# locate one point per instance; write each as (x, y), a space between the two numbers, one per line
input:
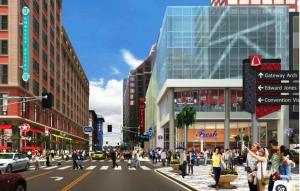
(249, 87)
(47, 102)
(109, 128)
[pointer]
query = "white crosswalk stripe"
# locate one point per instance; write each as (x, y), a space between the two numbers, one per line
(118, 168)
(104, 167)
(51, 167)
(131, 168)
(65, 167)
(91, 167)
(145, 168)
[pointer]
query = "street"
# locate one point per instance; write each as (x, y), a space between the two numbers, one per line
(98, 175)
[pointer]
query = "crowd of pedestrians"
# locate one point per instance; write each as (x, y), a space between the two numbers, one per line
(264, 166)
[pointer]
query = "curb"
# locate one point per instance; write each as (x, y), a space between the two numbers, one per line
(174, 179)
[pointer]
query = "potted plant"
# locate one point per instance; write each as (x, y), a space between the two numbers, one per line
(175, 165)
(227, 176)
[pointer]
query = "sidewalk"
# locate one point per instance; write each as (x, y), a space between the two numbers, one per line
(201, 178)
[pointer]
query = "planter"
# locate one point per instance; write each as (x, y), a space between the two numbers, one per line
(175, 167)
(225, 180)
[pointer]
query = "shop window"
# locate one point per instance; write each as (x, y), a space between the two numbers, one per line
(36, 88)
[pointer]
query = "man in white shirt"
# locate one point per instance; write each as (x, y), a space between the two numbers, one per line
(251, 163)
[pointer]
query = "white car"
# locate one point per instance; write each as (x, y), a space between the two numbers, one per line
(10, 162)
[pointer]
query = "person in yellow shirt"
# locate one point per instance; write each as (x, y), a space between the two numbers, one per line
(217, 161)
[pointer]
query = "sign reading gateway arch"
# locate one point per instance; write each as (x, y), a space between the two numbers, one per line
(25, 13)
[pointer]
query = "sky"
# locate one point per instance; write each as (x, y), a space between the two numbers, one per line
(111, 37)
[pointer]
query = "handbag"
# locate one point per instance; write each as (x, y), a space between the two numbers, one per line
(264, 178)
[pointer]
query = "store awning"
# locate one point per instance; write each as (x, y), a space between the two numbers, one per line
(5, 126)
(32, 148)
(4, 148)
(36, 131)
(62, 137)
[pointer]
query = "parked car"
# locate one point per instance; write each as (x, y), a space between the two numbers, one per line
(10, 162)
(12, 182)
(98, 155)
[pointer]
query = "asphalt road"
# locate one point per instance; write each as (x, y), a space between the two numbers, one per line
(99, 176)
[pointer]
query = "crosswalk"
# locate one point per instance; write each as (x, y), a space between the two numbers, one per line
(91, 167)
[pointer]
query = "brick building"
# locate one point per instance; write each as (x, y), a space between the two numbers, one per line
(54, 68)
(134, 94)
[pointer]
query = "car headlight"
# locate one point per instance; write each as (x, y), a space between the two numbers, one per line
(1, 164)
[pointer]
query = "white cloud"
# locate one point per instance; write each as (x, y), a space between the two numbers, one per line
(115, 70)
(130, 59)
(106, 100)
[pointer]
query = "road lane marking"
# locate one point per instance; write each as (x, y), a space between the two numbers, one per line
(38, 175)
(118, 168)
(182, 186)
(104, 167)
(57, 178)
(145, 168)
(94, 160)
(101, 160)
(65, 167)
(51, 167)
(76, 181)
(91, 167)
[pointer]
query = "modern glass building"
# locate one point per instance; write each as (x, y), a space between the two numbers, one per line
(199, 55)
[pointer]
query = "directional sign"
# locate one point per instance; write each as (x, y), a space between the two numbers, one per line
(57, 178)
(283, 88)
(25, 12)
(278, 100)
(277, 75)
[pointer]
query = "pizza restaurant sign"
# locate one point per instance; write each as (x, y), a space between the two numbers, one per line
(203, 134)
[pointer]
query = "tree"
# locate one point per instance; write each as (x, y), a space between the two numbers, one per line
(246, 139)
(45, 140)
(237, 139)
(185, 118)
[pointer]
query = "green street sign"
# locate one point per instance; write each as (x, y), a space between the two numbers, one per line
(25, 12)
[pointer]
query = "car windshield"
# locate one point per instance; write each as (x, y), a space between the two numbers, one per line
(6, 156)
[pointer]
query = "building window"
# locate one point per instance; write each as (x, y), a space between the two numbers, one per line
(3, 103)
(3, 74)
(36, 88)
(45, 58)
(45, 76)
(36, 6)
(36, 46)
(45, 39)
(51, 33)
(3, 2)
(131, 102)
(131, 84)
(3, 47)
(45, 22)
(52, 82)
(51, 120)
(3, 22)
(131, 90)
(36, 66)
(36, 26)
(51, 50)
(131, 78)
(35, 113)
(51, 18)
(131, 96)
(45, 5)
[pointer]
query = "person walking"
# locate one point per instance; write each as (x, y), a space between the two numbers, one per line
(261, 173)
(205, 156)
(114, 158)
(191, 162)
(36, 161)
(217, 161)
(163, 157)
(183, 163)
(275, 160)
(74, 158)
(251, 167)
(47, 158)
